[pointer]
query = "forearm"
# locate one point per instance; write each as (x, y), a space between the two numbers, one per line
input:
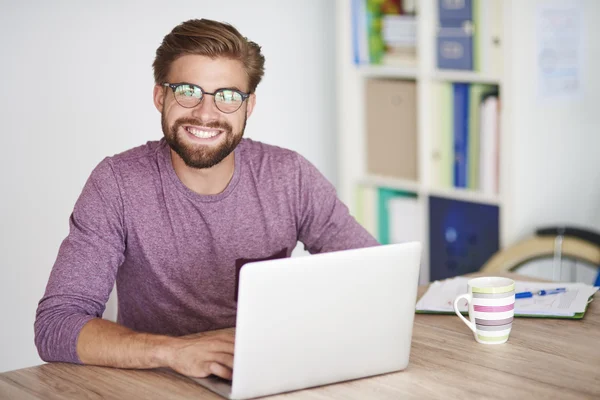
(106, 343)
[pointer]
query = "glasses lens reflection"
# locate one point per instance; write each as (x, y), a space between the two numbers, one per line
(226, 100)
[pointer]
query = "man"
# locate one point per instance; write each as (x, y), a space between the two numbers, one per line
(173, 221)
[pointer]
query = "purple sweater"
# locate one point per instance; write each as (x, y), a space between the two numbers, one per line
(175, 254)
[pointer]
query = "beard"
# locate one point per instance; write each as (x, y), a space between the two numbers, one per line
(201, 156)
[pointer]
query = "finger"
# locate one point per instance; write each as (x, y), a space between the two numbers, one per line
(221, 346)
(224, 359)
(227, 336)
(221, 371)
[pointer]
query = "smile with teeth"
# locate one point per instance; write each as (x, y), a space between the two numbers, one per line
(201, 133)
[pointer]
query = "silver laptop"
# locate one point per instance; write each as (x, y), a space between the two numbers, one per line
(319, 319)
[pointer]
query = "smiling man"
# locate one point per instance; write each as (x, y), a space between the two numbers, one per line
(174, 221)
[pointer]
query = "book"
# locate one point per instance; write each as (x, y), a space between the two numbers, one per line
(392, 36)
(440, 295)
(360, 43)
(382, 34)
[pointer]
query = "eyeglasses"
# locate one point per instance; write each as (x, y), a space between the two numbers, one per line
(189, 96)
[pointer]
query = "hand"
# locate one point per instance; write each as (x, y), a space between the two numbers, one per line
(202, 355)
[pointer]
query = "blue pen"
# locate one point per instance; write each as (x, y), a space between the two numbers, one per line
(524, 295)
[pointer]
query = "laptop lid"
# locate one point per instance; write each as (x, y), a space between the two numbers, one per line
(314, 320)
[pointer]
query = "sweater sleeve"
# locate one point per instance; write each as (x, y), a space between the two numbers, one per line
(325, 222)
(85, 269)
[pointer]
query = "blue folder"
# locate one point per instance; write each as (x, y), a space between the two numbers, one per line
(461, 134)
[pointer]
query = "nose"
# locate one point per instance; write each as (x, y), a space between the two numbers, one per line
(206, 110)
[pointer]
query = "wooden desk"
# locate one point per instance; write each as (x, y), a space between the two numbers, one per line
(543, 359)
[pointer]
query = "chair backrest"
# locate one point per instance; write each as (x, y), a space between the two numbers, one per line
(538, 247)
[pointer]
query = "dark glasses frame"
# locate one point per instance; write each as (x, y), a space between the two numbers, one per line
(174, 87)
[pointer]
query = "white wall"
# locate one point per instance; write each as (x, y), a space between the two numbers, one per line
(77, 86)
(561, 135)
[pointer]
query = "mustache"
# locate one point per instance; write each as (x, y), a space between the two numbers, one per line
(209, 124)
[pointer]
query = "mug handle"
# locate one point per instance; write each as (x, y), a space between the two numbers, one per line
(467, 297)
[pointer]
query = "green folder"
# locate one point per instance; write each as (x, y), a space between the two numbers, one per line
(446, 99)
(383, 197)
(476, 35)
(359, 211)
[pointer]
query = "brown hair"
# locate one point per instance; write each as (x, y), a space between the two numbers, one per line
(212, 39)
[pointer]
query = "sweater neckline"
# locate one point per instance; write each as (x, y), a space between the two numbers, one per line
(165, 156)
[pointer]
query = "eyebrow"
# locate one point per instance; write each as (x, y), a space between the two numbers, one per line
(221, 88)
(235, 88)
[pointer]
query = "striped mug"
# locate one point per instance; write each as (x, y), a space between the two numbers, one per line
(491, 308)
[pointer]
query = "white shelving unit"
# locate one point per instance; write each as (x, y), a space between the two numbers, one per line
(549, 164)
(375, 71)
(471, 77)
(351, 118)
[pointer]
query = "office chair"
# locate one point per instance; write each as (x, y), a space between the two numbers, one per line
(557, 243)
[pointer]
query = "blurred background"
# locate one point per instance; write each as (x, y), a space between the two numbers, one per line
(467, 128)
(472, 126)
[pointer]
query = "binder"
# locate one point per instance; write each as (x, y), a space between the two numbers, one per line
(462, 236)
(455, 47)
(489, 144)
(366, 208)
(455, 12)
(478, 28)
(385, 195)
(461, 133)
(442, 138)
(477, 92)
(406, 219)
(391, 128)
(456, 43)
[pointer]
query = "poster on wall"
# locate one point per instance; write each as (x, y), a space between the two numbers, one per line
(559, 52)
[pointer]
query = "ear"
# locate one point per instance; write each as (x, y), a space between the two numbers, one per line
(159, 97)
(251, 103)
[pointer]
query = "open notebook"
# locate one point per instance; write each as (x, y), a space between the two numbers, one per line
(571, 304)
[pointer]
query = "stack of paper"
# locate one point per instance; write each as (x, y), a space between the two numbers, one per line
(440, 296)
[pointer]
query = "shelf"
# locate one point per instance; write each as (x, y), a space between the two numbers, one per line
(465, 195)
(416, 187)
(465, 76)
(385, 71)
(391, 183)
